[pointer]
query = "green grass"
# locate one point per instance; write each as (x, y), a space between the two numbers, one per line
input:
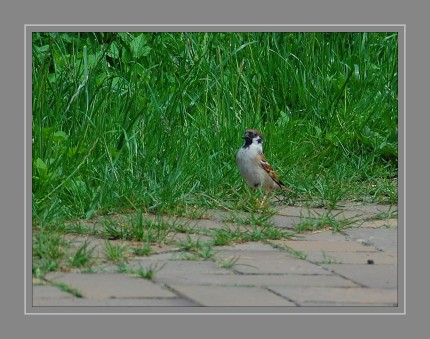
(143, 250)
(137, 227)
(228, 263)
(327, 221)
(196, 249)
(226, 235)
(142, 272)
(151, 122)
(66, 288)
(115, 252)
(390, 214)
(258, 219)
(148, 272)
(158, 120)
(82, 256)
(329, 260)
(122, 267)
(296, 253)
(49, 250)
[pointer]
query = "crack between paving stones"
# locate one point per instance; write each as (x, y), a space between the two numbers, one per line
(282, 296)
(183, 296)
(344, 277)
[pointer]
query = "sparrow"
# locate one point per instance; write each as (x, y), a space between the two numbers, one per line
(253, 165)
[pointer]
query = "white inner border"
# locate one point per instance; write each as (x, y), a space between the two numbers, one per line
(221, 25)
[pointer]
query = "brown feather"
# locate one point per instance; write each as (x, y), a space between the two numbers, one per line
(264, 164)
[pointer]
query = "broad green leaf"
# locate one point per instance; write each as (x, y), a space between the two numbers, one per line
(41, 167)
(139, 47)
(60, 136)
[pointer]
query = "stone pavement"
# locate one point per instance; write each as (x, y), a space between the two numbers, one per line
(356, 266)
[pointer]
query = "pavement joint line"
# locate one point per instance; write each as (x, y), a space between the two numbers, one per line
(282, 296)
(182, 295)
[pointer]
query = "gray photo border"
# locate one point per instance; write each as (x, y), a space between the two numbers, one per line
(400, 309)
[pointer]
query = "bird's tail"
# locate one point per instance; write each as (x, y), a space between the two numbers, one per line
(284, 187)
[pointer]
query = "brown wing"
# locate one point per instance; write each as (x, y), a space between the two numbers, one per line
(269, 169)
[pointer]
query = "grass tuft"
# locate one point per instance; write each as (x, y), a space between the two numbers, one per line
(328, 221)
(149, 272)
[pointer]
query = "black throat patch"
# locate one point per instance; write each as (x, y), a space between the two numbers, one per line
(249, 141)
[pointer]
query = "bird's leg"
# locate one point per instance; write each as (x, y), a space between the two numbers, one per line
(265, 195)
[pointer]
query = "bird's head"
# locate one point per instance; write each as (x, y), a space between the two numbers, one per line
(252, 136)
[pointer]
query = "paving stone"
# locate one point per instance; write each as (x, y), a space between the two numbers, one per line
(359, 306)
(374, 209)
(194, 224)
(384, 239)
(110, 285)
(231, 296)
(314, 213)
(282, 221)
(182, 237)
(350, 295)
(222, 216)
(155, 261)
(156, 257)
(354, 215)
(206, 224)
(248, 246)
(294, 211)
(372, 276)
(325, 235)
(384, 223)
(325, 246)
(330, 257)
(96, 244)
(187, 271)
(98, 224)
(335, 273)
(49, 292)
(270, 262)
(258, 280)
(119, 302)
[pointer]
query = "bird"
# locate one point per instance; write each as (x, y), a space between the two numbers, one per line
(254, 167)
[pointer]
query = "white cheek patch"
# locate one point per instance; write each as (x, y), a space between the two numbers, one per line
(257, 140)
